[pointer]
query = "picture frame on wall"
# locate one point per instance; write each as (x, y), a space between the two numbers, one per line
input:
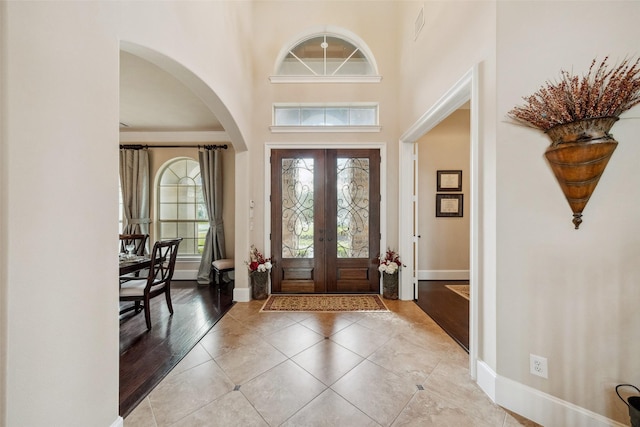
(449, 205)
(449, 180)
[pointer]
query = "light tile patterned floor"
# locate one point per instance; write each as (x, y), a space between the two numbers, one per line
(322, 369)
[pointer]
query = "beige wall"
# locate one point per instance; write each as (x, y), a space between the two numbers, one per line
(60, 154)
(568, 295)
(60, 115)
(456, 37)
(376, 27)
(444, 242)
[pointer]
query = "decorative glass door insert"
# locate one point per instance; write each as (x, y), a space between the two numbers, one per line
(325, 220)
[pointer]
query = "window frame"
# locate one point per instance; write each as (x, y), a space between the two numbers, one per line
(333, 32)
(275, 128)
(158, 203)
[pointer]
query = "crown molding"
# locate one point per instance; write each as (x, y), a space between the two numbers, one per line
(177, 137)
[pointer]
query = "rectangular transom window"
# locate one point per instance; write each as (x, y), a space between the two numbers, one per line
(309, 115)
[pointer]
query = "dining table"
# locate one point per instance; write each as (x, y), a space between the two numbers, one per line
(132, 264)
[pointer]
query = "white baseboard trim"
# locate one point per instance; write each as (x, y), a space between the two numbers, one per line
(185, 274)
(486, 379)
(540, 407)
(242, 294)
(119, 422)
(443, 274)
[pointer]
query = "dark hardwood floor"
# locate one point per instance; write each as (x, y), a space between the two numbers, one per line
(446, 308)
(146, 357)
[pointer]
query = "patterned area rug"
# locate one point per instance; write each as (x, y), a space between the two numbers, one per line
(462, 290)
(324, 303)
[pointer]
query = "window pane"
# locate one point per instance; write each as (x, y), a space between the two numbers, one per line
(168, 230)
(313, 116)
(168, 211)
(168, 194)
(186, 194)
(337, 117)
(186, 247)
(363, 116)
(297, 180)
(186, 230)
(186, 211)
(201, 212)
(287, 117)
(353, 208)
(169, 178)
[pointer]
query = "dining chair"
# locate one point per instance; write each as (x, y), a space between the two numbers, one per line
(157, 282)
(138, 240)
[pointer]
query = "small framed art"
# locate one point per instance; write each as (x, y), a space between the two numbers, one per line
(449, 180)
(449, 205)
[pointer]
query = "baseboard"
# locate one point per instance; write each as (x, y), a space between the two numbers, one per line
(443, 274)
(185, 274)
(119, 422)
(536, 405)
(242, 294)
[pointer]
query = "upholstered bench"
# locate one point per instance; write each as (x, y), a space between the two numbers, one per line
(220, 266)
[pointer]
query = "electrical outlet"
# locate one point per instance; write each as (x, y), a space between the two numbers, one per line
(538, 366)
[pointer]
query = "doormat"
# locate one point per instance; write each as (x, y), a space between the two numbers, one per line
(462, 290)
(324, 303)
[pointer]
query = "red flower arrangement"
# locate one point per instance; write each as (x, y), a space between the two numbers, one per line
(257, 261)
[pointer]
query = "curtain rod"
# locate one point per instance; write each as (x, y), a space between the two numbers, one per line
(140, 147)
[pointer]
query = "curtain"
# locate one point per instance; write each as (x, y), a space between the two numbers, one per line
(211, 173)
(134, 183)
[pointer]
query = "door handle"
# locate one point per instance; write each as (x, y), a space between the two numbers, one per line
(329, 239)
(320, 239)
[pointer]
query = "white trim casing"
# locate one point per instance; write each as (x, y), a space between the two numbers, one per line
(119, 422)
(465, 89)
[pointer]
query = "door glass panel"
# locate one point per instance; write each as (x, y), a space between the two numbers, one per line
(353, 208)
(297, 208)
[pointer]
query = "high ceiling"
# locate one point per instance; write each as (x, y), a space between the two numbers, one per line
(152, 100)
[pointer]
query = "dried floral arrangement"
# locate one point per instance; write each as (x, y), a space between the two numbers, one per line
(602, 92)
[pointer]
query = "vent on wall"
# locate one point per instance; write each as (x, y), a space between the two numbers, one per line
(419, 23)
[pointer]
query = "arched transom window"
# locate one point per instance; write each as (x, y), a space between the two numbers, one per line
(325, 56)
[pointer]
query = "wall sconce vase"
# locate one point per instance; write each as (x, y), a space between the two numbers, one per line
(578, 155)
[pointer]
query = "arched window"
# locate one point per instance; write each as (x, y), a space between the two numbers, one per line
(181, 209)
(326, 56)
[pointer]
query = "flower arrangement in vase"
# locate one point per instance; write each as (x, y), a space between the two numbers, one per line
(577, 114)
(389, 266)
(257, 261)
(259, 268)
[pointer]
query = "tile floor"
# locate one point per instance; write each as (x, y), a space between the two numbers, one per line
(322, 369)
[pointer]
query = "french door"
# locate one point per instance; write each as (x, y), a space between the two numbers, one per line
(325, 221)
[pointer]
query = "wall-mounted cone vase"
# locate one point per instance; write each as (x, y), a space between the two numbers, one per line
(578, 155)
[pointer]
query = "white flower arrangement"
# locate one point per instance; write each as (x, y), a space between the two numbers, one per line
(389, 268)
(390, 263)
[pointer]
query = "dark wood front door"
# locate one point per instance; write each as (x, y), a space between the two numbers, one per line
(325, 221)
